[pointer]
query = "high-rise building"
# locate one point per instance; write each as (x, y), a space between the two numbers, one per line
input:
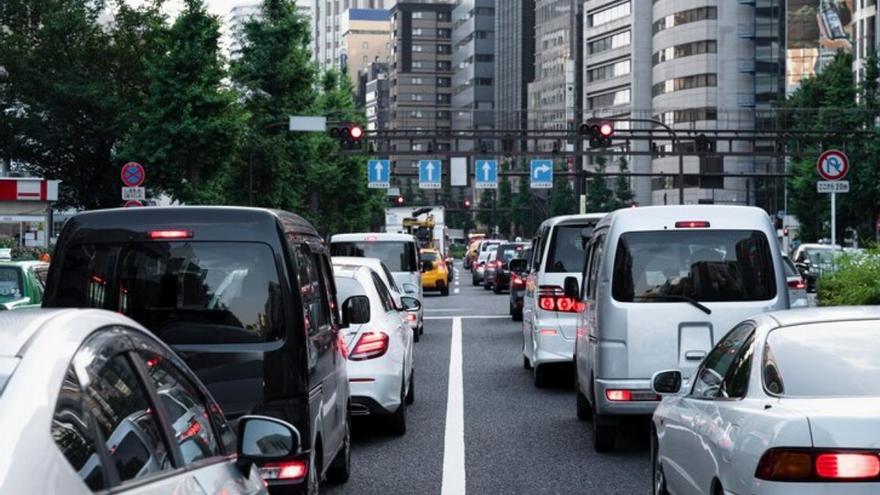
(328, 19)
(239, 15)
(373, 94)
(863, 30)
(701, 65)
(473, 60)
(514, 62)
(366, 38)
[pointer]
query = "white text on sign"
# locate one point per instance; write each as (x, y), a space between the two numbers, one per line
(134, 194)
(837, 186)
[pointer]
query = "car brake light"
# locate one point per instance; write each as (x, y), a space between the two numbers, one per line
(692, 224)
(552, 300)
(547, 303)
(289, 470)
(192, 430)
(170, 234)
(516, 280)
(618, 395)
(817, 465)
(370, 345)
(412, 317)
(798, 284)
(547, 332)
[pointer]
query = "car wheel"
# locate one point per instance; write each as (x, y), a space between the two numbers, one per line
(657, 469)
(444, 291)
(517, 314)
(584, 411)
(474, 281)
(604, 434)
(340, 469)
(313, 478)
(541, 375)
(397, 421)
(496, 289)
(416, 335)
(487, 286)
(411, 393)
(422, 329)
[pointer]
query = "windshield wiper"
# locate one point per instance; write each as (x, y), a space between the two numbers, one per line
(676, 297)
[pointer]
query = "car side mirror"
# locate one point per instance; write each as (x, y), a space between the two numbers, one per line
(410, 303)
(572, 288)
(519, 265)
(666, 382)
(586, 234)
(261, 438)
(356, 310)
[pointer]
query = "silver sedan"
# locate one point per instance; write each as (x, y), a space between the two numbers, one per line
(91, 401)
(786, 403)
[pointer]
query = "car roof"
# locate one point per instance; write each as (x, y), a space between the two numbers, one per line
(350, 271)
(823, 315)
(572, 219)
(374, 236)
(20, 327)
(207, 222)
(374, 263)
(23, 264)
(663, 217)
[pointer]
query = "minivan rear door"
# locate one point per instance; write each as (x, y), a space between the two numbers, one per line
(564, 258)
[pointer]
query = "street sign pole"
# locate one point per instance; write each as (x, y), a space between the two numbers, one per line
(833, 165)
(833, 219)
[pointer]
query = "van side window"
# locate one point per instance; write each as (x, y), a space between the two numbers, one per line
(540, 245)
(595, 263)
(313, 291)
(329, 289)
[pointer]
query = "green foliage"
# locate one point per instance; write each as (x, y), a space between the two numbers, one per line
(562, 200)
(599, 197)
(855, 282)
(505, 203)
(487, 214)
(623, 194)
(522, 211)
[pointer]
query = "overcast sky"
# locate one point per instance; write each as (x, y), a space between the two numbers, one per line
(217, 7)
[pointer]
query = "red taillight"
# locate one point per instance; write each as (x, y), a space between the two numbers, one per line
(848, 466)
(798, 284)
(170, 234)
(370, 346)
(547, 332)
(192, 430)
(289, 470)
(551, 300)
(411, 317)
(618, 395)
(692, 224)
(547, 303)
(518, 280)
(817, 465)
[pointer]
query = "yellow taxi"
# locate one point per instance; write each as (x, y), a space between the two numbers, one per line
(435, 275)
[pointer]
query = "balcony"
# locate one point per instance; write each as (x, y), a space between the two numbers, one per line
(745, 65)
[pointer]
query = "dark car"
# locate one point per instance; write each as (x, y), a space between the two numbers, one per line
(517, 284)
(497, 275)
(246, 296)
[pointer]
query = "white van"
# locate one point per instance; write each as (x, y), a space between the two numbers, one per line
(399, 252)
(549, 318)
(661, 286)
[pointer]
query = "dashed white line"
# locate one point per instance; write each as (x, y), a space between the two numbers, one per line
(453, 449)
(456, 291)
(474, 317)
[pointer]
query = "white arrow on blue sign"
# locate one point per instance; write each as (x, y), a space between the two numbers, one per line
(486, 174)
(379, 174)
(541, 174)
(430, 174)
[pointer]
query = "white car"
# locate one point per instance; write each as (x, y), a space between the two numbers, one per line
(787, 403)
(379, 347)
(81, 400)
(797, 287)
(413, 318)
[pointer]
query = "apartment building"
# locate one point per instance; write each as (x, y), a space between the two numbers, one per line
(514, 62)
(473, 62)
(328, 26)
(366, 38)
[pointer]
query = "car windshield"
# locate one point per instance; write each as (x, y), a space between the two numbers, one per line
(429, 257)
(566, 253)
(185, 292)
(399, 256)
(347, 287)
(508, 252)
(823, 258)
(11, 284)
(703, 265)
(837, 359)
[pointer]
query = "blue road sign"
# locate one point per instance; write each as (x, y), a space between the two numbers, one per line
(430, 174)
(541, 174)
(486, 174)
(379, 174)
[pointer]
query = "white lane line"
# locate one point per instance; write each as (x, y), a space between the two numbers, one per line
(450, 310)
(456, 291)
(477, 317)
(453, 449)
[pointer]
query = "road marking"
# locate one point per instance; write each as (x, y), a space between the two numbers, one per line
(451, 310)
(478, 317)
(457, 290)
(453, 449)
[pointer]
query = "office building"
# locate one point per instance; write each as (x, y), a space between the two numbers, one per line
(514, 62)
(373, 94)
(473, 62)
(863, 30)
(328, 26)
(366, 38)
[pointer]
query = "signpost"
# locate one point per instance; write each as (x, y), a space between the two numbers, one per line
(486, 174)
(541, 173)
(833, 165)
(133, 175)
(430, 174)
(379, 174)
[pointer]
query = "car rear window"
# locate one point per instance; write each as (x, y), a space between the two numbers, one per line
(705, 265)
(508, 252)
(10, 284)
(399, 256)
(185, 292)
(429, 257)
(348, 287)
(566, 253)
(837, 359)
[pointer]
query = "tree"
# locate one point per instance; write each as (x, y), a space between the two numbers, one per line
(522, 213)
(505, 205)
(599, 197)
(623, 194)
(486, 215)
(190, 126)
(562, 200)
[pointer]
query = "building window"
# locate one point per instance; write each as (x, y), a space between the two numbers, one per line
(688, 116)
(614, 98)
(609, 71)
(687, 82)
(366, 45)
(685, 50)
(610, 42)
(685, 17)
(610, 14)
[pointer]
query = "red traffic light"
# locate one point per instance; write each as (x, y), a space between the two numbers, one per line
(400, 200)
(356, 132)
(606, 129)
(467, 203)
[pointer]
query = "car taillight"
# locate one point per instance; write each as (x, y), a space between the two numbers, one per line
(551, 299)
(618, 395)
(798, 284)
(289, 470)
(343, 347)
(412, 317)
(170, 234)
(802, 465)
(517, 280)
(370, 346)
(692, 224)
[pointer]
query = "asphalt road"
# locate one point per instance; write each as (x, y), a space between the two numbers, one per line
(517, 438)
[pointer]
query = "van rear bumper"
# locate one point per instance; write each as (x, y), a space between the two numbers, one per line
(628, 408)
(553, 349)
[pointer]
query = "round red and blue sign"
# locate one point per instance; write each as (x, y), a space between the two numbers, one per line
(133, 174)
(833, 165)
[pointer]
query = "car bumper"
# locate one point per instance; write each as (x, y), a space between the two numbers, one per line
(628, 408)
(551, 349)
(435, 282)
(502, 279)
(761, 487)
(380, 396)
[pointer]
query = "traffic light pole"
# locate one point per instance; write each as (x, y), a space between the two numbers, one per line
(676, 144)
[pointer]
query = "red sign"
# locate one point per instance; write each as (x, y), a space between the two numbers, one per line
(132, 204)
(28, 189)
(133, 174)
(833, 165)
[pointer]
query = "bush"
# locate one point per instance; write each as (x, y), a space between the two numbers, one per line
(458, 250)
(856, 281)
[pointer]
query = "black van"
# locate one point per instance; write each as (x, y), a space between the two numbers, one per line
(245, 295)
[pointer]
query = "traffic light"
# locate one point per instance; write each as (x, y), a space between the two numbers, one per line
(401, 200)
(349, 135)
(599, 132)
(467, 203)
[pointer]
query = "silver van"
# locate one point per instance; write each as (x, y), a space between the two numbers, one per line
(661, 286)
(549, 318)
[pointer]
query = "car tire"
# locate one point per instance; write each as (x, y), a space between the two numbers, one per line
(397, 420)
(411, 393)
(541, 375)
(658, 477)
(517, 314)
(416, 335)
(340, 468)
(444, 291)
(604, 434)
(584, 410)
(422, 329)
(496, 289)
(487, 286)
(474, 281)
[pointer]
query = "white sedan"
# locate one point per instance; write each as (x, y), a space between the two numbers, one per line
(379, 346)
(786, 403)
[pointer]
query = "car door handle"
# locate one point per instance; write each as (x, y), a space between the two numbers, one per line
(694, 355)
